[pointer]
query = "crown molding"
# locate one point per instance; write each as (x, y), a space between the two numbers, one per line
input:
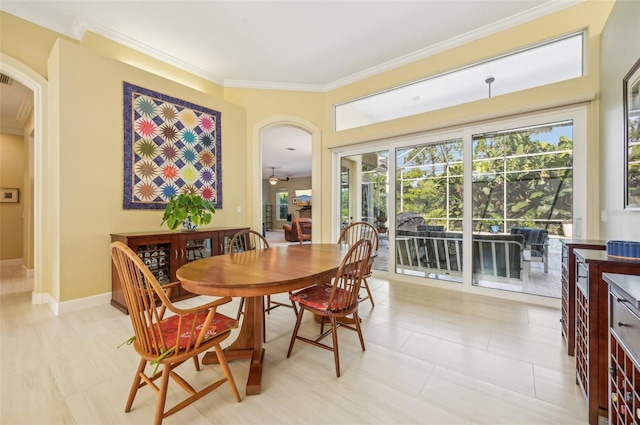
(521, 18)
(86, 25)
(16, 131)
(538, 12)
(81, 26)
(274, 86)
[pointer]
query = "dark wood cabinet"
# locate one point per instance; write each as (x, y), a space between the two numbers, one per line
(624, 354)
(568, 280)
(165, 252)
(592, 325)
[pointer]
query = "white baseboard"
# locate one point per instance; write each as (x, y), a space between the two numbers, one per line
(72, 305)
(38, 298)
(28, 272)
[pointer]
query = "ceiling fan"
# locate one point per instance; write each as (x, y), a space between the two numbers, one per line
(273, 179)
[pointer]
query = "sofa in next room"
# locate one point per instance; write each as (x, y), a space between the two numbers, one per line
(291, 230)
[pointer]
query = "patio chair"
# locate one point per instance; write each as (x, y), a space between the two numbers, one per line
(537, 241)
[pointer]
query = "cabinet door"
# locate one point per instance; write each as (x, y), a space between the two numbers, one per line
(195, 246)
(156, 253)
(224, 239)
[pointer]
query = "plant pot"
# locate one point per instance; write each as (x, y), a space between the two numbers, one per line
(567, 229)
(189, 225)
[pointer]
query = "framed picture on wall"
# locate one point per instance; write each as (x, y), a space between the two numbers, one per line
(631, 107)
(8, 195)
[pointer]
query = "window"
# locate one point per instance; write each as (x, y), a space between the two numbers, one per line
(282, 202)
(557, 60)
(523, 178)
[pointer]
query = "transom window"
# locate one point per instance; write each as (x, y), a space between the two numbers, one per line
(551, 62)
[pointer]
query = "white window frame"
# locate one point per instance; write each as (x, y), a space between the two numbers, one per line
(583, 206)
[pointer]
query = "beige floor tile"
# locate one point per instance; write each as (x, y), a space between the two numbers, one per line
(534, 352)
(32, 397)
(560, 389)
(432, 357)
(484, 403)
(509, 373)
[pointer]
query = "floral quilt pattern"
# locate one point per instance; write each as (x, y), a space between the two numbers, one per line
(170, 147)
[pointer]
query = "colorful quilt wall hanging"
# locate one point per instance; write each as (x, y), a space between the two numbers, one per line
(170, 147)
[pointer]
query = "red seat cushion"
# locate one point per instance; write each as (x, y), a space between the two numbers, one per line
(318, 297)
(220, 323)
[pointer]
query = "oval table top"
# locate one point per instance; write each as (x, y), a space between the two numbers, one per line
(263, 272)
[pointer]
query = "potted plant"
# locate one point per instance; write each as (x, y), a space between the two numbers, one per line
(188, 209)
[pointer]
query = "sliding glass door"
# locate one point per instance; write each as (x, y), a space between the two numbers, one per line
(522, 195)
(481, 206)
(429, 206)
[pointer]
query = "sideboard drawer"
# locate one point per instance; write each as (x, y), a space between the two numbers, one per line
(625, 324)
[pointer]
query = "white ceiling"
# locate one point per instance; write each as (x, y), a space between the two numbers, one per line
(288, 45)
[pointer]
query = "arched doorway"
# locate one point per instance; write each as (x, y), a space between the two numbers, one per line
(286, 174)
(38, 85)
(257, 165)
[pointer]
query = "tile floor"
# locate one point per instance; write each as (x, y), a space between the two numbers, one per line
(433, 357)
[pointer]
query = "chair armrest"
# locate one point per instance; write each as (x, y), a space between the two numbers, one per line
(211, 305)
(168, 288)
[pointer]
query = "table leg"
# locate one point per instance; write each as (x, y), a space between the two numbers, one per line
(248, 345)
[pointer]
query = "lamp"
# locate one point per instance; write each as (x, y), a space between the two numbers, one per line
(273, 179)
(489, 80)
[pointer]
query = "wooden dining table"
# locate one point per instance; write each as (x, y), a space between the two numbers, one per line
(253, 274)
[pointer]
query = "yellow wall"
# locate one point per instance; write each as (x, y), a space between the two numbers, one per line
(84, 147)
(11, 176)
(129, 56)
(264, 105)
(91, 162)
(30, 44)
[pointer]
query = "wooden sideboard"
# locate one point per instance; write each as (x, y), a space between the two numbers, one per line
(304, 212)
(568, 280)
(624, 354)
(164, 252)
(592, 325)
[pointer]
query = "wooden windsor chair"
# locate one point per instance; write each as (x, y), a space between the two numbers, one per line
(247, 240)
(335, 300)
(168, 341)
(355, 232)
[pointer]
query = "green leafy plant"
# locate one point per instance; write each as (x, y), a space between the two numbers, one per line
(187, 206)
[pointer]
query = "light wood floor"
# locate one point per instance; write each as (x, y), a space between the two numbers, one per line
(433, 357)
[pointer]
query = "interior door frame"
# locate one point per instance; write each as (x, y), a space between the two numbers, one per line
(255, 170)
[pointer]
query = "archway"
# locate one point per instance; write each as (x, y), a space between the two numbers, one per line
(38, 85)
(256, 167)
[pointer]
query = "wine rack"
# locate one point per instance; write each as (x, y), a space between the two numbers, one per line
(592, 326)
(624, 370)
(568, 301)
